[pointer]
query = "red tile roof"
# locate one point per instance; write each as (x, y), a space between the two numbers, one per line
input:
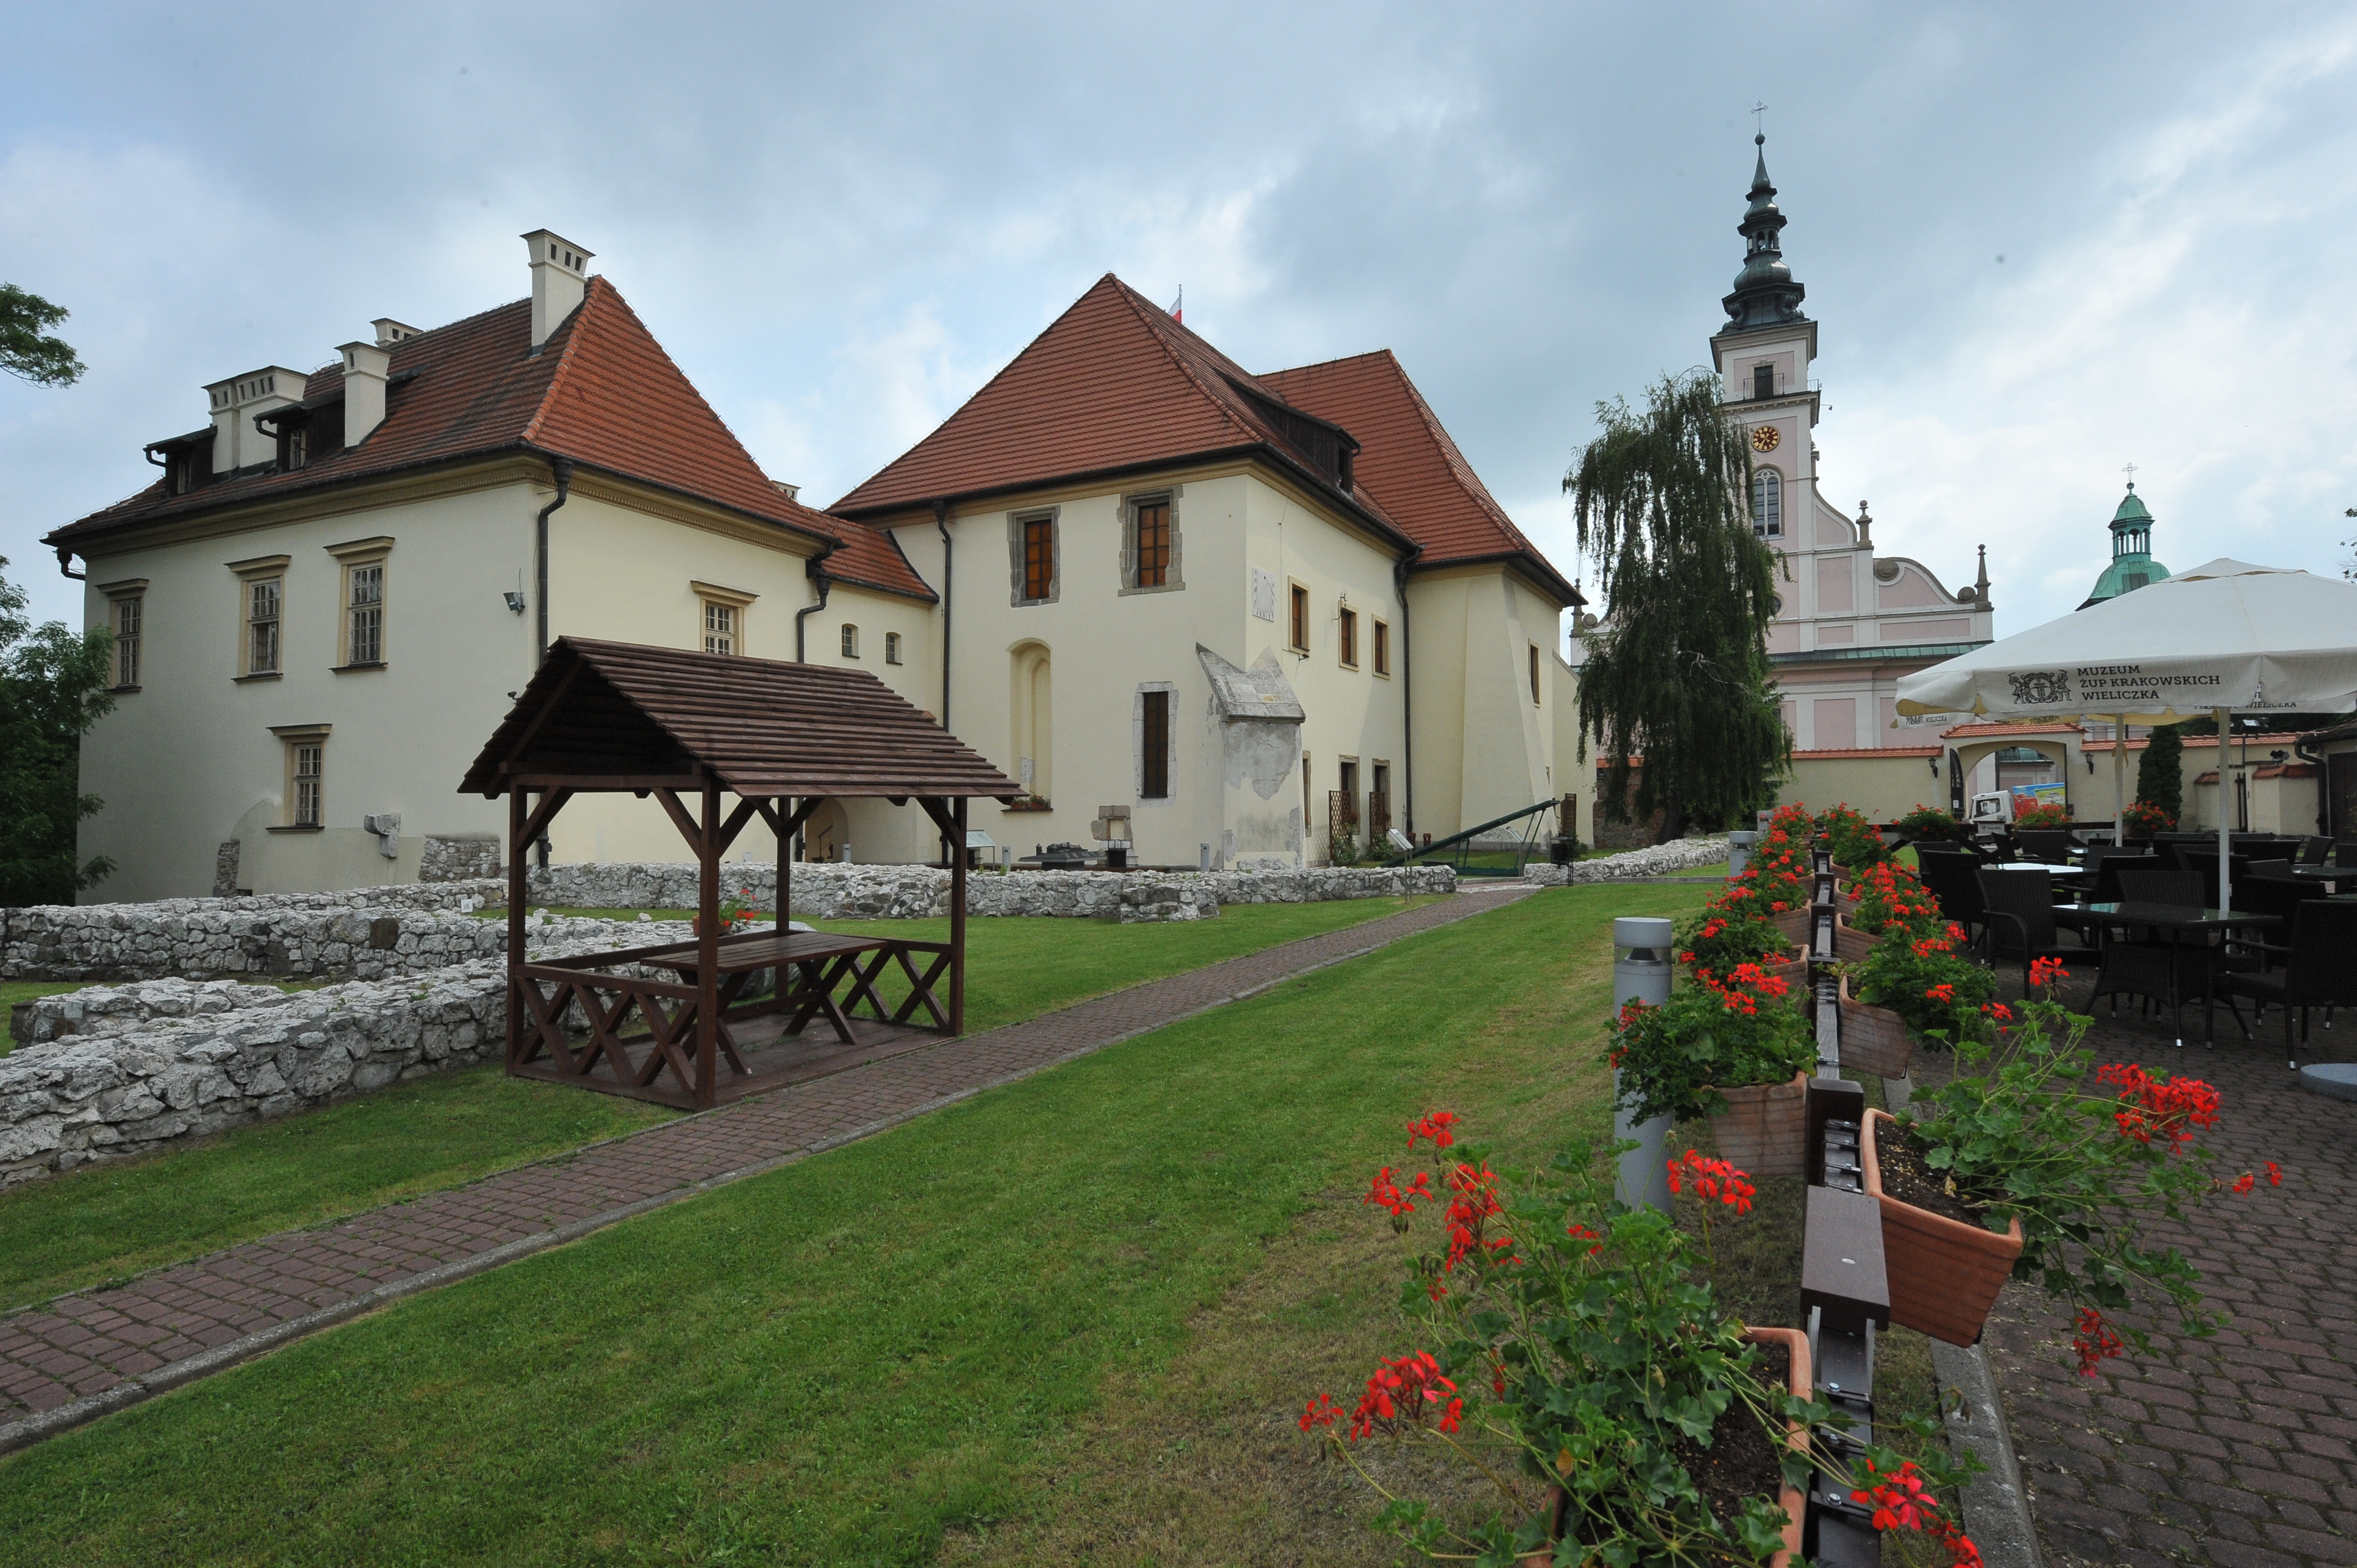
(1998, 732)
(1113, 384)
(1409, 463)
(601, 391)
(1838, 752)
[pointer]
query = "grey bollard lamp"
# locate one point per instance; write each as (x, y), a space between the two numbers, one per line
(1641, 972)
(1738, 852)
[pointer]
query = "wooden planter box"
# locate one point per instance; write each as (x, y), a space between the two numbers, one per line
(1943, 1274)
(1791, 1499)
(1765, 1128)
(1873, 1039)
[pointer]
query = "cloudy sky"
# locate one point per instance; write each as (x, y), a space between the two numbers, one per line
(2043, 242)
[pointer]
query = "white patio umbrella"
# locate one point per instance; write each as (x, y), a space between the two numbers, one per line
(2222, 639)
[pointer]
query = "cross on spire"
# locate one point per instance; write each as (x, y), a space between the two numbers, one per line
(2130, 471)
(1759, 125)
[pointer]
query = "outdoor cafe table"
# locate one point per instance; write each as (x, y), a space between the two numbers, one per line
(818, 963)
(2181, 922)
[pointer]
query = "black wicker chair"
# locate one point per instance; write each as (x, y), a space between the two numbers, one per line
(2019, 908)
(2052, 845)
(1952, 878)
(2319, 969)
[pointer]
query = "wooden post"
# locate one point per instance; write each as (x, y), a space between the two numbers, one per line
(957, 918)
(707, 951)
(519, 891)
(785, 873)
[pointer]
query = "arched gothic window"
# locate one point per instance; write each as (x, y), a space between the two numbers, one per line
(1767, 503)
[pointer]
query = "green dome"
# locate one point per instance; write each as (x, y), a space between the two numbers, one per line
(2132, 566)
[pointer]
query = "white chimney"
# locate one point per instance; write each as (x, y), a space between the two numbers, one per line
(234, 403)
(365, 365)
(389, 331)
(560, 276)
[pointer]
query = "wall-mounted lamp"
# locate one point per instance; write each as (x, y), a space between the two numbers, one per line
(2091, 760)
(1934, 764)
(515, 601)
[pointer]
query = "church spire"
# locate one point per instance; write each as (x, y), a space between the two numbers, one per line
(1765, 294)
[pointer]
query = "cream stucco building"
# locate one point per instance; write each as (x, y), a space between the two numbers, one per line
(1246, 608)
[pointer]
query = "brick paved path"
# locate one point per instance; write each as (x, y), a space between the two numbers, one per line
(2238, 1449)
(80, 1356)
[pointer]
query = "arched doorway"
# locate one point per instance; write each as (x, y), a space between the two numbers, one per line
(1031, 707)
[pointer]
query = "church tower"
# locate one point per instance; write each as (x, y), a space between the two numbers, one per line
(1848, 624)
(2132, 566)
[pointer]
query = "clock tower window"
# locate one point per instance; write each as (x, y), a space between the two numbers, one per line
(1768, 503)
(1763, 379)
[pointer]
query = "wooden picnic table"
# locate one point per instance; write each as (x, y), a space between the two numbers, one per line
(811, 966)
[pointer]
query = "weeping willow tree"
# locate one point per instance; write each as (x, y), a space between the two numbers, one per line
(1678, 672)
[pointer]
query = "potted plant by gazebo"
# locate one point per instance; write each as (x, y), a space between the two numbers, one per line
(1729, 1049)
(2041, 1166)
(1592, 1379)
(1931, 824)
(2141, 820)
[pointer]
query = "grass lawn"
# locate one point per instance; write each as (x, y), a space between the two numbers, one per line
(1068, 1320)
(112, 1220)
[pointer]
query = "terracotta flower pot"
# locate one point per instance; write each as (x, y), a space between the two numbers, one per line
(1873, 1039)
(1850, 944)
(1794, 973)
(1765, 1128)
(1791, 1499)
(1943, 1274)
(1794, 925)
(1801, 1381)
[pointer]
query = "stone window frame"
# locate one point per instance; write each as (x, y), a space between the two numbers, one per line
(130, 594)
(1346, 637)
(1169, 691)
(712, 596)
(1015, 520)
(1300, 612)
(892, 648)
(252, 573)
(1173, 578)
(848, 640)
(354, 557)
(294, 740)
(1378, 647)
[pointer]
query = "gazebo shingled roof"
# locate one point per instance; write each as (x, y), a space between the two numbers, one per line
(762, 727)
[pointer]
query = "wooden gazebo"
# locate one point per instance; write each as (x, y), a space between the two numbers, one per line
(688, 729)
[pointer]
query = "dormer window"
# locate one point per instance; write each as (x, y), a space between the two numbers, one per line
(1763, 379)
(294, 447)
(183, 470)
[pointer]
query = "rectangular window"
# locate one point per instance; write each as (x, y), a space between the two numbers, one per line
(1155, 744)
(1763, 381)
(306, 768)
(1152, 545)
(364, 614)
(130, 612)
(294, 448)
(850, 641)
(891, 648)
(1383, 648)
(1300, 617)
(1039, 557)
(262, 612)
(719, 627)
(1346, 639)
(1534, 671)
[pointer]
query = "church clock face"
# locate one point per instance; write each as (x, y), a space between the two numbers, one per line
(1765, 439)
